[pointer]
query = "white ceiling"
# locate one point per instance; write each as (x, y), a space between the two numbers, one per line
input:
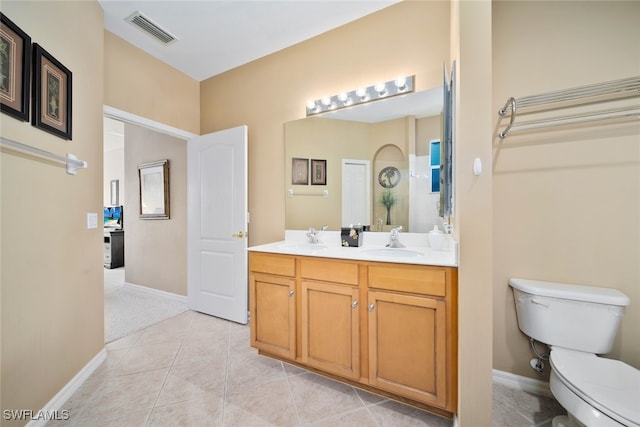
(217, 35)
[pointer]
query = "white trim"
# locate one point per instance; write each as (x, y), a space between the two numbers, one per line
(55, 404)
(157, 292)
(124, 116)
(522, 383)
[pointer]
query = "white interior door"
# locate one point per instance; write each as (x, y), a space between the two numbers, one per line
(356, 192)
(217, 224)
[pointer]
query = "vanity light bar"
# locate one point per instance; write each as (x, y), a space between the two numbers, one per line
(399, 86)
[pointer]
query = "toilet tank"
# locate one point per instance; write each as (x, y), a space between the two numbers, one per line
(576, 317)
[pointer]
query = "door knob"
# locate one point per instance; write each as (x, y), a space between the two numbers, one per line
(240, 234)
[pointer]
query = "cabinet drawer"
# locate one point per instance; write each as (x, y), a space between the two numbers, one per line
(282, 265)
(419, 280)
(329, 271)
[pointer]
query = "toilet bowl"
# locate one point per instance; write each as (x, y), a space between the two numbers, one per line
(578, 323)
(596, 391)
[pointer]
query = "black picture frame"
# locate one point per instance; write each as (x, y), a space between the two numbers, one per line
(52, 91)
(318, 172)
(15, 69)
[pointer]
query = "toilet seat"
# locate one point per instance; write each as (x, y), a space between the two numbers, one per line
(610, 386)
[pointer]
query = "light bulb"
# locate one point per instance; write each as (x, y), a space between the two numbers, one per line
(362, 93)
(311, 105)
(381, 88)
(343, 97)
(401, 83)
(326, 101)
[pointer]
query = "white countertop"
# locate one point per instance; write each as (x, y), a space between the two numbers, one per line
(416, 248)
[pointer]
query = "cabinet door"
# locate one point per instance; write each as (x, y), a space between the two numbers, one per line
(273, 314)
(407, 346)
(331, 334)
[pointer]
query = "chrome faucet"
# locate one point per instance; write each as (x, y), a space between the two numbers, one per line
(313, 236)
(393, 238)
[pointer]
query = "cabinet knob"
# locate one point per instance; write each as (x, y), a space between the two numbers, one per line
(354, 304)
(240, 235)
(371, 307)
(291, 293)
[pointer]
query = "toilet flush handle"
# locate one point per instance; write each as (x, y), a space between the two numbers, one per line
(535, 301)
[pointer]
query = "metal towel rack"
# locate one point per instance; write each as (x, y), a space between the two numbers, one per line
(70, 161)
(291, 193)
(614, 90)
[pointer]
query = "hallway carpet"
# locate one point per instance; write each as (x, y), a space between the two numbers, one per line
(128, 309)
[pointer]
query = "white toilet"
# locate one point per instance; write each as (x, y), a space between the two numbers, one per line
(578, 323)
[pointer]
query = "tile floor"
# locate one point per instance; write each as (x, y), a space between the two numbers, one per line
(198, 370)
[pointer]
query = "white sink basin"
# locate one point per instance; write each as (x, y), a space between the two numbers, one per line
(392, 252)
(302, 247)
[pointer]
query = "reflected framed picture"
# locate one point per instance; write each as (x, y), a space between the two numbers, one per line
(154, 190)
(318, 172)
(15, 68)
(51, 94)
(299, 171)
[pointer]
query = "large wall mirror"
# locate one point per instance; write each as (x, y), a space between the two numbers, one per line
(380, 165)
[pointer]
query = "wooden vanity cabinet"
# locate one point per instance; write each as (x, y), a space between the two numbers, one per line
(412, 331)
(272, 304)
(389, 328)
(330, 316)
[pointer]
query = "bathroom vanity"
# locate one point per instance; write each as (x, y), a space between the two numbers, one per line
(381, 319)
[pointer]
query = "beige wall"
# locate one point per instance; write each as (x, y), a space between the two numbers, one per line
(156, 250)
(414, 39)
(140, 84)
(471, 48)
(51, 273)
(566, 203)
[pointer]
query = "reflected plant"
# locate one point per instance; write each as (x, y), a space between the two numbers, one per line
(388, 200)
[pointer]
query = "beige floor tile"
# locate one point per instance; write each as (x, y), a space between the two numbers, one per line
(194, 381)
(395, 414)
(124, 394)
(202, 351)
(317, 397)
(131, 419)
(171, 330)
(125, 342)
(369, 398)
(149, 357)
(205, 412)
(262, 404)
(251, 369)
(194, 369)
(358, 418)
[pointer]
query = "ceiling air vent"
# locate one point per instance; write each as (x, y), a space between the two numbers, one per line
(148, 26)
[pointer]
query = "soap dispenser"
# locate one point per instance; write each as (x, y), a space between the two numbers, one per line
(436, 238)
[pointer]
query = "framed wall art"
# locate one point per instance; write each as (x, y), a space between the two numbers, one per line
(299, 171)
(154, 190)
(51, 94)
(15, 68)
(318, 172)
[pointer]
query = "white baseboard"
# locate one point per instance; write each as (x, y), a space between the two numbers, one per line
(522, 383)
(55, 404)
(157, 292)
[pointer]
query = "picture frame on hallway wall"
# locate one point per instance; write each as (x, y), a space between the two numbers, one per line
(318, 172)
(52, 83)
(153, 178)
(15, 69)
(299, 171)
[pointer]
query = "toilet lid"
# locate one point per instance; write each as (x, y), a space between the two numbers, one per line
(608, 385)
